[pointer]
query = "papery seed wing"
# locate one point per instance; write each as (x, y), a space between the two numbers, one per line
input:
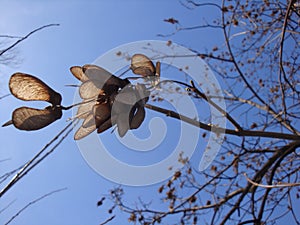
(78, 73)
(142, 65)
(26, 118)
(102, 77)
(84, 109)
(85, 131)
(107, 124)
(88, 121)
(142, 93)
(138, 118)
(88, 90)
(101, 113)
(123, 124)
(126, 97)
(97, 74)
(29, 88)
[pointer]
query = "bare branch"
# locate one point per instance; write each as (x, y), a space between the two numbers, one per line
(33, 202)
(25, 37)
(221, 130)
(38, 158)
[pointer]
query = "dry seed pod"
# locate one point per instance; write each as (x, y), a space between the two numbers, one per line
(101, 113)
(88, 121)
(26, 118)
(102, 78)
(78, 73)
(123, 120)
(29, 88)
(127, 96)
(85, 131)
(138, 117)
(88, 90)
(142, 65)
(107, 124)
(84, 109)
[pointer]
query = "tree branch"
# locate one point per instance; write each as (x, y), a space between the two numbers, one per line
(220, 130)
(38, 158)
(25, 37)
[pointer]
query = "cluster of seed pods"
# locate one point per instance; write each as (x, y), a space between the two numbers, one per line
(107, 100)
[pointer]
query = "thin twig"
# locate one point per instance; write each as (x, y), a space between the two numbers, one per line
(35, 160)
(108, 220)
(271, 186)
(4, 96)
(33, 202)
(25, 37)
(285, 23)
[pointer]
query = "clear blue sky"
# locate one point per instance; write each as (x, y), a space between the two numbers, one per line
(87, 30)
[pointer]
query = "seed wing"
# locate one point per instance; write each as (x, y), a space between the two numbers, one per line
(142, 65)
(26, 118)
(78, 73)
(29, 88)
(84, 131)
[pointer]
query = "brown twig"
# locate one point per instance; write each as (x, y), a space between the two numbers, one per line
(108, 220)
(221, 130)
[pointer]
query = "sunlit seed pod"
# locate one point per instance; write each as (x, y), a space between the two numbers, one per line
(29, 88)
(120, 107)
(127, 96)
(138, 117)
(142, 65)
(84, 109)
(123, 121)
(78, 73)
(142, 93)
(88, 90)
(101, 113)
(103, 79)
(88, 121)
(26, 118)
(97, 74)
(84, 131)
(107, 124)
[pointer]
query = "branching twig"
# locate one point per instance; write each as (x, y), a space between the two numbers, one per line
(25, 37)
(37, 159)
(33, 202)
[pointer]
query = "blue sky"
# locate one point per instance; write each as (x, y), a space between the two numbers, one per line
(87, 30)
